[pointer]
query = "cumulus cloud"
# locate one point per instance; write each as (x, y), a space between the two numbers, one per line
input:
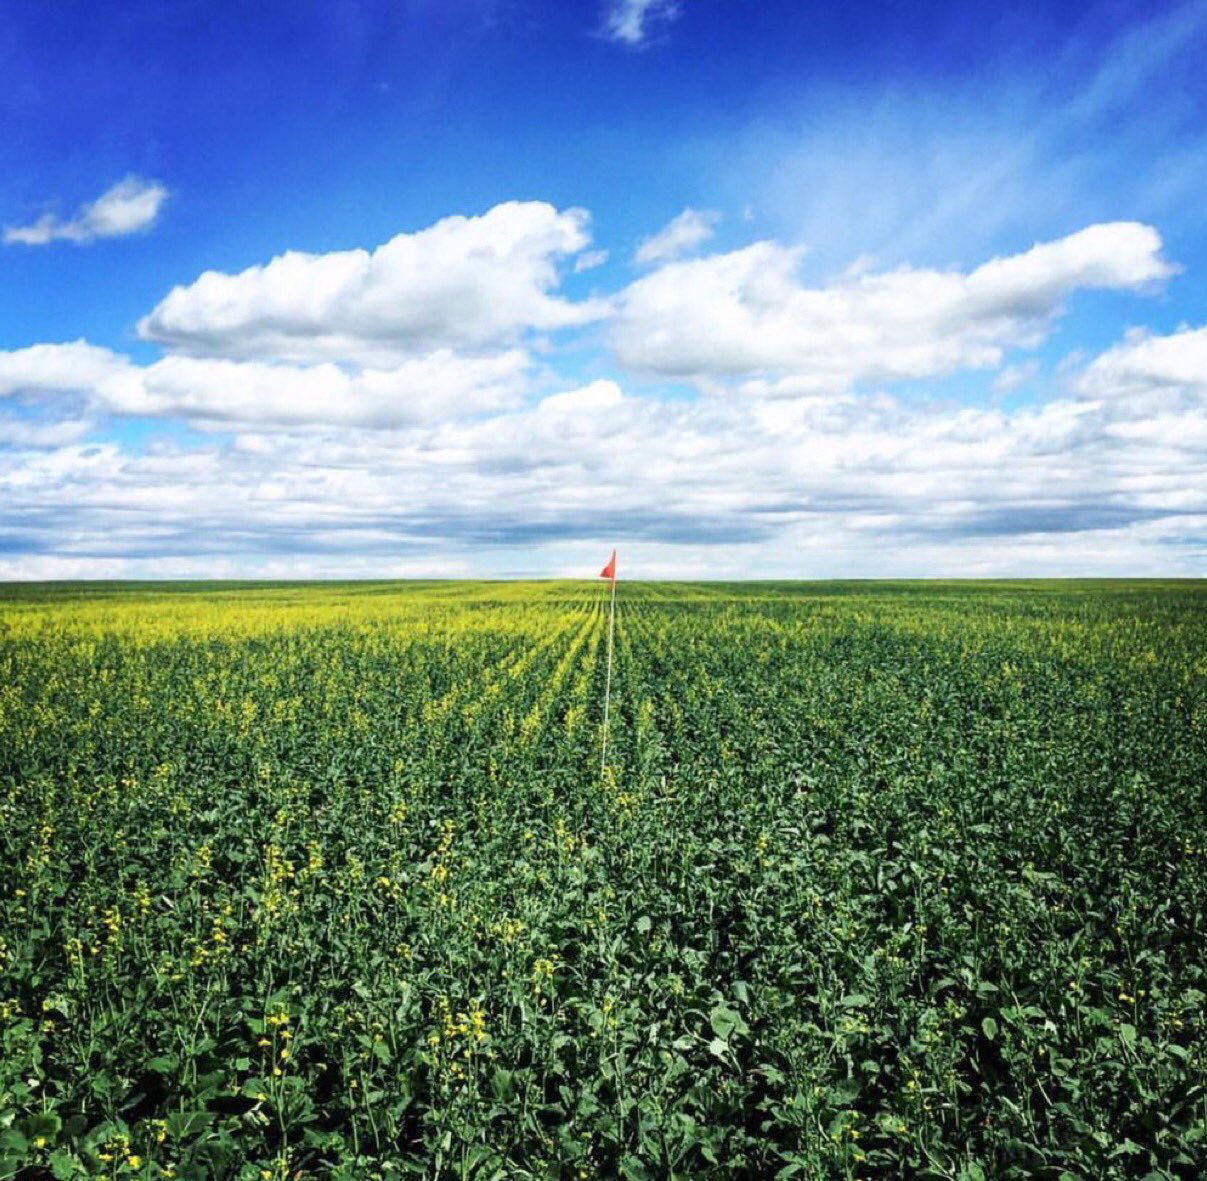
(840, 484)
(599, 396)
(745, 313)
(463, 283)
(1153, 391)
(57, 368)
(374, 412)
(426, 327)
(630, 21)
(217, 392)
(23, 431)
(128, 207)
(679, 236)
(1144, 364)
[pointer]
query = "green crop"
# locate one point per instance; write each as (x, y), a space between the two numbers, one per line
(882, 880)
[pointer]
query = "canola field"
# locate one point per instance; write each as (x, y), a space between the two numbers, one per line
(883, 880)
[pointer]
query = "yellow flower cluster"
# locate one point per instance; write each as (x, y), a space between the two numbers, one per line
(509, 930)
(458, 1036)
(542, 973)
(118, 1148)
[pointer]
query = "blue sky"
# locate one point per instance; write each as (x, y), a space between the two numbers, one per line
(719, 288)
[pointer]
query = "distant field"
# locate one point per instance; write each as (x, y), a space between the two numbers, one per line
(885, 880)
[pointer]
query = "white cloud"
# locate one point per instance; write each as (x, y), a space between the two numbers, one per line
(745, 313)
(629, 21)
(463, 283)
(129, 206)
(807, 486)
(57, 368)
(439, 386)
(42, 432)
(1144, 364)
(1014, 377)
(679, 236)
(589, 260)
(1153, 392)
(217, 392)
(427, 327)
(391, 442)
(599, 396)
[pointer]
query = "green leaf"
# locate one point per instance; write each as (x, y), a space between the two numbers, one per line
(723, 1020)
(64, 1166)
(45, 1124)
(181, 1125)
(845, 1093)
(632, 1169)
(990, 1028)
(502, 1084)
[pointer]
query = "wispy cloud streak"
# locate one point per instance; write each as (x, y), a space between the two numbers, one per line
(130, 206)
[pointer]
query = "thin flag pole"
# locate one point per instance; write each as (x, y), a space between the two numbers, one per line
(603, 760)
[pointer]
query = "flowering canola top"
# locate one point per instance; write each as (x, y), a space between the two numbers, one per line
(880, 880)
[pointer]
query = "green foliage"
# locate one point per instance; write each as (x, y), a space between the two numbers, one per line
(882, 880)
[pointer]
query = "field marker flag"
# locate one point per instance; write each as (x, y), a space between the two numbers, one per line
(609, 572)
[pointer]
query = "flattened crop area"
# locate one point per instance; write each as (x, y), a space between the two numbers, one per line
(882, 880)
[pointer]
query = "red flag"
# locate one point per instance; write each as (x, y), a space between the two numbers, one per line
(609, 571)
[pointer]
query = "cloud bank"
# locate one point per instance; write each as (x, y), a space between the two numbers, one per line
(440, 399)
